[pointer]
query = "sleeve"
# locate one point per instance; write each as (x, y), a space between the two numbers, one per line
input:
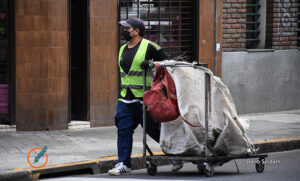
(156, 53)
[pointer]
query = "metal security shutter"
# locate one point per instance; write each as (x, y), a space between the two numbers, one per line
(169, 23)
(252, 24)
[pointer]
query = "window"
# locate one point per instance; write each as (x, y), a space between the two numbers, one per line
(252, 24)
(169, 23)
(5, 58)
(298, 28)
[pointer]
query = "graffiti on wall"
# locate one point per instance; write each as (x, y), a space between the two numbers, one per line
(285, 16)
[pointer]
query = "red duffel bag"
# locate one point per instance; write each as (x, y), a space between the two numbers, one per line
(161, 100)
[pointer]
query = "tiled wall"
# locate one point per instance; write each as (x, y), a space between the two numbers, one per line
(103, 61)
(206, 33)
(41, 64)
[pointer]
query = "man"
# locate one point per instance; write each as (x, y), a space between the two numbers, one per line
(133, 58)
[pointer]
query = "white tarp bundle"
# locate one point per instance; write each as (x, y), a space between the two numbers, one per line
(225, 128)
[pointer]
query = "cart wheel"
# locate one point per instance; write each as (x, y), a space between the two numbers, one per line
(209, 172)
(151, 169)
(206, 169)
(260, 166)
(201, 168)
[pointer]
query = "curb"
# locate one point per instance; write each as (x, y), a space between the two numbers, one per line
(277, 145)
(15, 175)
(102, 165)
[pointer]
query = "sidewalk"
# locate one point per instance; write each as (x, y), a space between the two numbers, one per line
(98, 145)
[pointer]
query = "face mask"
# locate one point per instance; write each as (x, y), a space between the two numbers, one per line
(126, 35)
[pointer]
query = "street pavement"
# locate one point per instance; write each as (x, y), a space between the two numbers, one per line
(279, 166)
(67, 147)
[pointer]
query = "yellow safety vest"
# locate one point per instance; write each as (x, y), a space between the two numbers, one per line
(134, 78)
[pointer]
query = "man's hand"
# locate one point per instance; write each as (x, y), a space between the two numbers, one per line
(145, 65)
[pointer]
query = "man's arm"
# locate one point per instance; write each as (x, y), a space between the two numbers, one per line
(156, 53)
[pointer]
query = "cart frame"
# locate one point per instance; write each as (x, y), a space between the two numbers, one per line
(207, 163)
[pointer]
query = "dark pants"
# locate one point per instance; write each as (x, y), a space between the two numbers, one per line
(128, 117)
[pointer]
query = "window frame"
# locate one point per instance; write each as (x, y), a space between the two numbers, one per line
(253, 27)
(298, 27)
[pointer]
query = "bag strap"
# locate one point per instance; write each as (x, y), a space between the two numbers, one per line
(189, 122)
(160, 73)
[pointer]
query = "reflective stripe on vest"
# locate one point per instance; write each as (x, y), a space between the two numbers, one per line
(132, 73)
(134, 78)
(134, 87)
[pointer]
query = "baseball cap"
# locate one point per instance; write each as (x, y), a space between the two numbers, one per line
(134, 22)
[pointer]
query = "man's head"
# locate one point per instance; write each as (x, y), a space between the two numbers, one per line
(132, 27)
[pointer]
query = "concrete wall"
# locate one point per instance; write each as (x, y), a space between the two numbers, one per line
(263, 81)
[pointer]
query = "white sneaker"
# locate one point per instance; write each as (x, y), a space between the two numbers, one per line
(120, 169)
(177, 165)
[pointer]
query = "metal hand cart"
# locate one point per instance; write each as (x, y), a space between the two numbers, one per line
(206, 163)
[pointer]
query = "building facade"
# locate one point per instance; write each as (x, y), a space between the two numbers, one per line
(59, 57)
(63, 63)
(261, 57)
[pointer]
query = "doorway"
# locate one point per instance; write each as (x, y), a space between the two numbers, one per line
(79, 59)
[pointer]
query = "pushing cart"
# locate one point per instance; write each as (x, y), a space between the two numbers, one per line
(206, 163)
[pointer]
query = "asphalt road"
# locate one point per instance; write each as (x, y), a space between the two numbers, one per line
(278, 166)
